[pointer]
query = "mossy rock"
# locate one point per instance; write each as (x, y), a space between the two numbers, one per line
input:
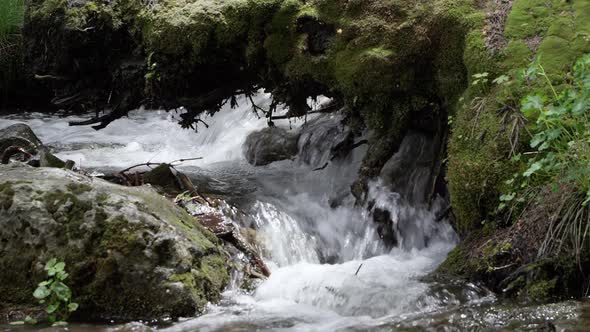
(123, 246)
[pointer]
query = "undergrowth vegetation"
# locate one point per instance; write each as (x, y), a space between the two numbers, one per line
(558, 156)
(559, 125)
(11, 20)
(11, 17)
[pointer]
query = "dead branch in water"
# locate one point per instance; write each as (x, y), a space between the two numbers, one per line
(357, 270)
(171, 164)
(11, 151)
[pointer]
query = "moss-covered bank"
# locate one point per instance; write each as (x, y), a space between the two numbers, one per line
(502, 246)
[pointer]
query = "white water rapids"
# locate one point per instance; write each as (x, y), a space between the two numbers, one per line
(365, 286)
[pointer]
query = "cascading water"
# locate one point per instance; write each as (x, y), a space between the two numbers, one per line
(330, 270)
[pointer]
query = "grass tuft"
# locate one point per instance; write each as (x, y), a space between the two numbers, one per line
(11, 17)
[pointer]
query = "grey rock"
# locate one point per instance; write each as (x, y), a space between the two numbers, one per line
(269, 145)
(322, 139)
(131, 253)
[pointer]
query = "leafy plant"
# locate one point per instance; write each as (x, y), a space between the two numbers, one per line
(481, 80)
(560, 128)
(54, 294)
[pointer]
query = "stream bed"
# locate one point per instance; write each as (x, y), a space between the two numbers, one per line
(330, 271)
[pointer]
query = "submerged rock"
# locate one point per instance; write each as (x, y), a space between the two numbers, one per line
(131, 253)
(409, 171)
(323, 139)
(269, 145)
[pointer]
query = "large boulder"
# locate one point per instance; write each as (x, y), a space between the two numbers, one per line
(269, 145)
(131, 253)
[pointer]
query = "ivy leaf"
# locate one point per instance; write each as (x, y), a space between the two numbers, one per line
(52, 308)
(50, 264)
(532, 105)
(501, 79)
(553, 134)
(580, 106)
(507, 198)
(537, 140)
(59, 267)
(72, 307)
(62, 291)
(533, 168)
(41, 292)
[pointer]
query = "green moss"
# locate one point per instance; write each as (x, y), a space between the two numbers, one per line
(204, 283)
(520, 55)
(457, 263)
(479, 149)
(78, 188)
(478, 163)
(6, 195)
(540, 291)
(199, 235)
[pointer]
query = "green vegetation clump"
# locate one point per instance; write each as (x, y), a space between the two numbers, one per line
(11, 65)
(54, 294)
(11, 18)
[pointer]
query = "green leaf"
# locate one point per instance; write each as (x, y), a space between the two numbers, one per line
(62, 291)
(41, 292)
(50, 263)
(72, 307)
(52, 308)
(532, 105)
(59, 267)
(62, 275)
(552, 134)
(18, 322)
(45, 283)
(30, 320)
(533, 168)
(507, 198)
(501, 79)
(480, 75)
(580, 106)
(537, 139)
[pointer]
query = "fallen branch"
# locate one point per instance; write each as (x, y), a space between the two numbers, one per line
(357, 270)
(330, 108)
(13, 150)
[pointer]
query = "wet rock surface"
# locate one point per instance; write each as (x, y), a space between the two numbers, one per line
(18, 141)
(324, 139)
(131, 253)
(269, 145)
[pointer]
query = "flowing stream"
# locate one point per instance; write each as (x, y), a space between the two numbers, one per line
(330, 270)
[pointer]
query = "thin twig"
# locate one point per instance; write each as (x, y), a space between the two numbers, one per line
(357, 270)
